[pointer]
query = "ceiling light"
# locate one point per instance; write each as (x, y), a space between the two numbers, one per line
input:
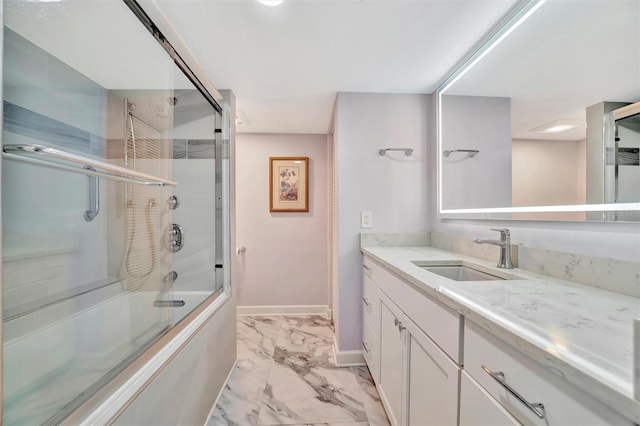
(558, 126)
(241, 118)
(271, 2)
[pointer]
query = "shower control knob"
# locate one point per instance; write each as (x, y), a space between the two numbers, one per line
(176, 238)
(174, 202)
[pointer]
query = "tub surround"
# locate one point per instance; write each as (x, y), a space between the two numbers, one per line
(582, 333)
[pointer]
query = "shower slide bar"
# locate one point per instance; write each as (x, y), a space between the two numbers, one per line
(88, 165)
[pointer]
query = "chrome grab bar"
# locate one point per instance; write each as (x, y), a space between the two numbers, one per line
(94, 197)
(110, 170)
(536, 407)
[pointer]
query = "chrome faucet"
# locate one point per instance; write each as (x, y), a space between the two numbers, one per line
(505, 247)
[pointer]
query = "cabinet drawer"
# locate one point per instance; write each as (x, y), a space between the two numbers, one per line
(370, 349)
(564, 403)
(370, 304)
(441, 323)
(478, 408)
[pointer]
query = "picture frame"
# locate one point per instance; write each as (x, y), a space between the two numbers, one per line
(288, 184)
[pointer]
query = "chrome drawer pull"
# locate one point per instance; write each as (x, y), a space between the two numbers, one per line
(366, 301)
(364, 345)
(368, 268)
(536, 407)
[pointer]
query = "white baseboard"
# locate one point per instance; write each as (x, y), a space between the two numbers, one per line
(284, 310)
(347, 358)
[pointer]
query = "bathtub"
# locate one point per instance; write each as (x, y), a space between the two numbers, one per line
(57, 354)
(192, 300)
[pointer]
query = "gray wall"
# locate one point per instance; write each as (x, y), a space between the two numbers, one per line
(392, 187)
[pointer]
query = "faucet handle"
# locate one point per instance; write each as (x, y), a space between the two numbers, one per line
(504, 233)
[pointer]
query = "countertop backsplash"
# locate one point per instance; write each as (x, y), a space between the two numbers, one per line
(373, 239)
(619, 276)
(466, 246)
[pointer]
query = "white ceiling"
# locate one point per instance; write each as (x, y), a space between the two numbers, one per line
(286, 63)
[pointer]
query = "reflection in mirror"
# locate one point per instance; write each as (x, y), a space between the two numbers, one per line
(550, 104)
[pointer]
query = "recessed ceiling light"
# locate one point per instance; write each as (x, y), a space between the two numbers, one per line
(271, 2)
(558, 126)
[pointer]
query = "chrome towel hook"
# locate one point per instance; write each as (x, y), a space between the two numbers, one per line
(407, 151)
(470, 152)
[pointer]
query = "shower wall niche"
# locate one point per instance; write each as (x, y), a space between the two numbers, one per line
(101, 129)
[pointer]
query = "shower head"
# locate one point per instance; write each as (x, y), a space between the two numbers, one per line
(162, 107)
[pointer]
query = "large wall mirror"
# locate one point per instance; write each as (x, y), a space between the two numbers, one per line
(543, 121)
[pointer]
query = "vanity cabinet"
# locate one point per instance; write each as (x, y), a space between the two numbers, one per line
(371, 326)
(479, 408)
(413, 345)
(502, 372)
(418, 381)
(391, 358)
(431, 380)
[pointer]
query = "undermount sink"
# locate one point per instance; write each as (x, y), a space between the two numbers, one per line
(462, 271)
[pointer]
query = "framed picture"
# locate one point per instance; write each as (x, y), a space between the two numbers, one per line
(288, 184)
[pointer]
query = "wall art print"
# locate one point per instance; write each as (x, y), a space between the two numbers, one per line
(288, 184)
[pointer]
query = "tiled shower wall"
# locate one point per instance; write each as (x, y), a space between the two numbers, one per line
(47, 246)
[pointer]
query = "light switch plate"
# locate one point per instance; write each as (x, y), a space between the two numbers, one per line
(366, 219)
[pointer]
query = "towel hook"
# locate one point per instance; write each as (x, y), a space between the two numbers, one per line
(407, 151)
(470, 152)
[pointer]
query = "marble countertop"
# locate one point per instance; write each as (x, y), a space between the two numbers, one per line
(582, 333)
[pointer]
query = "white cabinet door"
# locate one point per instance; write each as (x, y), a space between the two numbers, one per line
(478, 408)
(391, 354)
(431, 381)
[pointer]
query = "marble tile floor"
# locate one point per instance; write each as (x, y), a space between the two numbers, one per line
(286, 375)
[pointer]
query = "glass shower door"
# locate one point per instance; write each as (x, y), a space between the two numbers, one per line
(86, 172)
(197, 154)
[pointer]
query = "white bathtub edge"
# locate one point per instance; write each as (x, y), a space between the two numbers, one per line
(121, 398)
